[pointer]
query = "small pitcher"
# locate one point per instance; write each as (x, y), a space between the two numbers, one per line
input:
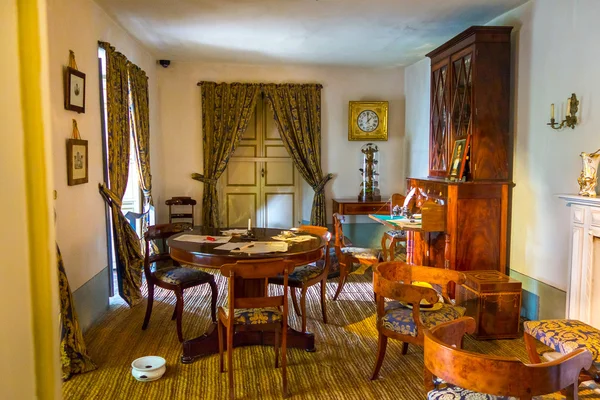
(589, 174)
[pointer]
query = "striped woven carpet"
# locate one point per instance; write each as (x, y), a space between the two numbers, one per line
(339, 369)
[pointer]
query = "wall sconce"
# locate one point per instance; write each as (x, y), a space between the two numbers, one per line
(571, 119)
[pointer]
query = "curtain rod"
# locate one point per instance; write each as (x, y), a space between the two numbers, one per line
(320, 86)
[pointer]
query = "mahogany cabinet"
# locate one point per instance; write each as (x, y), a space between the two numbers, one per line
(470, 95)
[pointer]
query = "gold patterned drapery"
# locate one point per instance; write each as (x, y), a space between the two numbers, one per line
(127, 243)
(297, 111)
(138, 82)
(226, 111)
(73, 353)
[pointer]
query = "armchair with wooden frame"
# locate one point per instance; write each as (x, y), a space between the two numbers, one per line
(264, 313)
(470, 375)
(394, 236)
(306, 276)
(162, 271)
(396, 320)
(347, 256)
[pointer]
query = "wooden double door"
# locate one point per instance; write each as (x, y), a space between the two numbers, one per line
(260, 181)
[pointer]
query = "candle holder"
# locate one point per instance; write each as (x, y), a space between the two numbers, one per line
(571, 119)
(249, 236)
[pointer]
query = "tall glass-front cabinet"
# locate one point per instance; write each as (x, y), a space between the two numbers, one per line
(470, 97)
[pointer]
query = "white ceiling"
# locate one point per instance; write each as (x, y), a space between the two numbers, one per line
(369, 33)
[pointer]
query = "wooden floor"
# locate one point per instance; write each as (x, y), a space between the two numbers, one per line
(339, 369)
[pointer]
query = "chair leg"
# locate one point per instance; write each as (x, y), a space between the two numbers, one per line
(383, 246)
(342, 282)
(284, 361)
(277, 335)
(179, 309)
(392, 250)
(230, 362)
(149, 305)
(303, 307)
(381, 347)
(213, 300)
(404, 348)
(220, 333)
(323, 299)
(295, 301)
(529, 340)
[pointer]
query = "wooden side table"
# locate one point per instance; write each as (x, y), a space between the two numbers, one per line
(351, 206)
(494, 300)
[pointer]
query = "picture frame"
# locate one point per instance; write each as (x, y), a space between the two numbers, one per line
(368, 120)
(74, 90)
(77, 161)
(459, 159)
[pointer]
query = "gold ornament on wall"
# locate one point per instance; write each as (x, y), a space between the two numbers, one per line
(589, 174)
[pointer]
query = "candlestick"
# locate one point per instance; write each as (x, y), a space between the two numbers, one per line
(569, 106)
(249, 224)
(552, 111)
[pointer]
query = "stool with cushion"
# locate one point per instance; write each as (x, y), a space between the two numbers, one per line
(162, 271)
(464, 375)
(306, 276)
(564, 336)
(347, 256)
(264, 313)
(405, 318)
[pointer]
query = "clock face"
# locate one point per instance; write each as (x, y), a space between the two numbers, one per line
(368, 121)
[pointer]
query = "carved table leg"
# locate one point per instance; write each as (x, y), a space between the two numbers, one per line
(447, 252)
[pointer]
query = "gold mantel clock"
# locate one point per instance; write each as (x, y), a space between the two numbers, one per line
(368, 120)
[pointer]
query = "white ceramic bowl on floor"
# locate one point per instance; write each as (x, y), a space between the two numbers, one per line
(149, 368)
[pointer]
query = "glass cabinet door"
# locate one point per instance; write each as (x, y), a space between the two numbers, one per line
(439, 136)
(462, 96)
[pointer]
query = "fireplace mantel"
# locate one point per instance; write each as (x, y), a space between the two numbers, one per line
(584, 265)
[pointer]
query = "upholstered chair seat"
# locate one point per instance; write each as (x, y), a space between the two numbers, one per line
(361, 253)
(397, 234)
(180, 275)
(255, 316)
(399, 319)
(455, 393)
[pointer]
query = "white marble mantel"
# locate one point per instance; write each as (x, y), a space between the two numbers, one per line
(584, 265)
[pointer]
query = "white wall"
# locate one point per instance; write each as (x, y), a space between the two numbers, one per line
(180, 115)
(78, 25)
(554, 55)
(417, 89)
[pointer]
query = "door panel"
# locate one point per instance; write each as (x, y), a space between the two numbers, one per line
(280, 210)
(240, 207)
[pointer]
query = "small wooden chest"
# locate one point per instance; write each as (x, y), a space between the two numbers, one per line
(494, 300)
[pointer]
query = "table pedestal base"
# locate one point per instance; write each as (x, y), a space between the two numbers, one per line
(209, 342)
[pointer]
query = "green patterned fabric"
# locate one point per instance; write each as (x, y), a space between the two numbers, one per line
(565, 336)
(254, 316)
(297, 111)
(73, 352)
(226, 111)
(127, 243)
(400, 319)
(138, 82)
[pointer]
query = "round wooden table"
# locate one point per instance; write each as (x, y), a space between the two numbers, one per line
(205, 255)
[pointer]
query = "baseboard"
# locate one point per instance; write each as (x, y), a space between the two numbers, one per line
(91, 299)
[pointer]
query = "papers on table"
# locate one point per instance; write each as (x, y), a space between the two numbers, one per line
(262, 247)
(234, 232)
(230, 246)
(294, 239)
(204, 239)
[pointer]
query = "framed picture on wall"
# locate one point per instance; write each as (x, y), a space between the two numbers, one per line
(77, 161)
(74, 90)
(459, 159)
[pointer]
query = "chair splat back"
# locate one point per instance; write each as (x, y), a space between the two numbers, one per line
(500, 376)
(159, 235)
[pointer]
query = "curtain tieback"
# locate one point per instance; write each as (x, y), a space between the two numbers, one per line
(318, 188)
(203, 179)
(109, 196)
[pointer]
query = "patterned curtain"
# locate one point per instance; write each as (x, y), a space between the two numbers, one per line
(138, 82)
(226, 111)
(73, 353)
(127, 243)
(297, 111)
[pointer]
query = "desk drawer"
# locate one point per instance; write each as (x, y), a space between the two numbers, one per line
(362, 209)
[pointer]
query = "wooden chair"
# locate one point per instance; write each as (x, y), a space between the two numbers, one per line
(392, 280)
(347, 256)
(308, 275)
(394, 236)
(472, 375)
(264, 313)
(181, 201)
(162, 271)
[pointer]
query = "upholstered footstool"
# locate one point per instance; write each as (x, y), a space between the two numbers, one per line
(564, 336)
